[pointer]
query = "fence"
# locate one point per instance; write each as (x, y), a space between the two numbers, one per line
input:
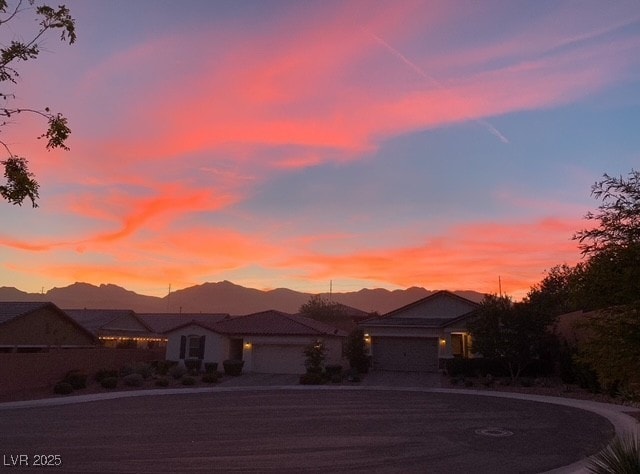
(22, 371)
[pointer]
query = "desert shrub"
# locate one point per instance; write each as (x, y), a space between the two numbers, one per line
(126, 370)
(188, 380)
(312, 378)
(162, 382)
(210, 377)
(315, 354)
(105, 373)
(526, 382)
(468, 383)
(333, 369)
(143, 369)
(621, 456)
(162, 366)
(133, 380)
(210, 367)
(353, 375)
(193, 365)
(76, 379)
(356, 351)
(109, 382)
(63, 388)
(233, 366)
(177, 371)
(336, 378)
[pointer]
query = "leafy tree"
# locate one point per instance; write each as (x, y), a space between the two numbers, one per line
(509, 333)
(20, 182)
(315, 354)
(356, 351)
(321, 309)
(555, 294)
(618, 216)
(613, 348)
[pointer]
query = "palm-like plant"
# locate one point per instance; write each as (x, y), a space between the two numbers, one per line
(622, 456)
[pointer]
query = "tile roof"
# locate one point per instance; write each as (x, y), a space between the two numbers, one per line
(163, 322)
(408, 322)
(273, 322)
(95, 319)
(12, 309)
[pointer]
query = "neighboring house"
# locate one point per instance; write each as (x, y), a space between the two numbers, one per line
(37, 326)
(163, 322)
(418, 337)
(268, 342)
(118, 328)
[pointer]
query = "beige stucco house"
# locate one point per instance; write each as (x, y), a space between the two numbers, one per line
(420, 336)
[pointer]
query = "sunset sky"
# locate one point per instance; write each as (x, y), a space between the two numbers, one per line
(293, 143)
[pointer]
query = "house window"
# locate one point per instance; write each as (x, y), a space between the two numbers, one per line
(194, 347)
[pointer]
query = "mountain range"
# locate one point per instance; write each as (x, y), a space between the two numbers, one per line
(220, 297)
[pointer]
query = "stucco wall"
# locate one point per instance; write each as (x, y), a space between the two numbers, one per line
(442, 306)
(44, 327)
(216, 345)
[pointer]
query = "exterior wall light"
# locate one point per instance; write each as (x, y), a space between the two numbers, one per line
(247, 345)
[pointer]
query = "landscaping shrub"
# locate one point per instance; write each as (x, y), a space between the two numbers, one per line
(621, 456)
(143, 369)
(193, 365)
(133, 380)
(162, 366)
(76, 379)
(177, 371)
(210, 377)
(126, 370)
(233, 366)
(312, 378)
(162, 382)
(332, 370)
(356, 351)
(211, 367)
(63, 388)
(109, 382)
(105, 373)
(353, 375)
(188, 380)
(315, 354)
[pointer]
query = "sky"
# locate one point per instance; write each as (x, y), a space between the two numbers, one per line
(308, 144)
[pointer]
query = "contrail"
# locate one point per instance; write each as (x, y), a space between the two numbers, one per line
(490, 128)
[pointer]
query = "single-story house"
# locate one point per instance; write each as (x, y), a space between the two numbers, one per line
(37, 326)
(118, 328)
(420, 336)
(268, 342)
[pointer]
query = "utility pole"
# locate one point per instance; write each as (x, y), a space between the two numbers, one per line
(330, 289)
(499, 286)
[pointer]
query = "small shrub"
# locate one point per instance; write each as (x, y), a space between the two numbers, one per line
(133, 380)
(162, 382)
(188, 380)
(336, 378)
(210, 377)
(621, 456)
(210, 367)
(143, 369)
(76, 379)
(353, 375)
(63, 388)
(177, 371)
(332, 370)
(468, 383)
(105, 373)
(526, 382)
(193, 365)
(109, 382)
(311, 378)
(233, 366)
(126, 370)
(162, 366)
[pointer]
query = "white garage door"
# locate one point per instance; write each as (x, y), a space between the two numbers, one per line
(278, 359)
(405, 354)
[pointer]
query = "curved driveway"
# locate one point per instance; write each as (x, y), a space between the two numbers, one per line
(293, 430)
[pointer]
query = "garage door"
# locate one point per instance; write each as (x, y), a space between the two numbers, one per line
(278, 359)
(405, 354)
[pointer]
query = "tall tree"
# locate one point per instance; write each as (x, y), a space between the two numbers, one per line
(321, 309)
(618, 216)
(20, 182)
(508, 333)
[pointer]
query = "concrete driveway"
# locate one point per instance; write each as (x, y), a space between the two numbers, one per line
(305, 430)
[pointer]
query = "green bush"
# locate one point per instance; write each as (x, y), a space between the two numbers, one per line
(109, 382)
(162, 366)
(63, 388)
(188, 380)
(105, 373)
(193, 365)
(162, 382)
(312, 378)
(233, 366)
(133, 380)
(177, 371)
(210, 377)
(143, 369)
(210, 367)
(76, 379)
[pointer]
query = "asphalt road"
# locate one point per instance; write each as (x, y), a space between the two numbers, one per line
(302, 431)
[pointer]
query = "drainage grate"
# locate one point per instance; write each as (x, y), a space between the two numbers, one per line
(494, 432)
